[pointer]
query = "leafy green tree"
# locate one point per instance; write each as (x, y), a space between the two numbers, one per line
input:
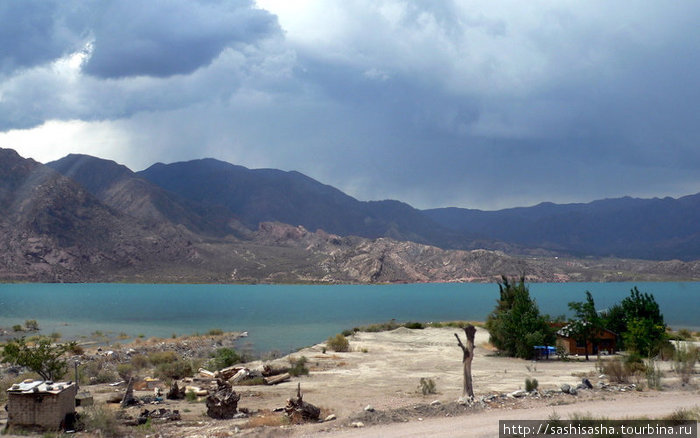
(515, 325)
(645, 330)
(587, 323)
(44, 357)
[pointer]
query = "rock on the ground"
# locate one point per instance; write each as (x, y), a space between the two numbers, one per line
(357, 424)
(565, 388)
(331, 417)
(369, 408)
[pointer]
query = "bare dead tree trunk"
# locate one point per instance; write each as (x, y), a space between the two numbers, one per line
(467, 356)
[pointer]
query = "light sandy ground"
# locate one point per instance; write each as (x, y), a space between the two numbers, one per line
(384, 370)
(387, 377)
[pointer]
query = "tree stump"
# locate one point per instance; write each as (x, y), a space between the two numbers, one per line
(222, 404)
(299, 411)
(175, 392)
(467, 357)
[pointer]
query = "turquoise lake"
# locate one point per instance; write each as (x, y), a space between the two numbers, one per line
(287, 317)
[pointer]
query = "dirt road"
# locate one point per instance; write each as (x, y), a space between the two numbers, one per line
(485, 423)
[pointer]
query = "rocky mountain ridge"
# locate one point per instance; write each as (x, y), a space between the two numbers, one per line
(111, 224)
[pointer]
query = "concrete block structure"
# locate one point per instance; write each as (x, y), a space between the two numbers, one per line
(36, 403)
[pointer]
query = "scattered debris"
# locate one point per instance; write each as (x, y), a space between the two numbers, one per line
(369, 408)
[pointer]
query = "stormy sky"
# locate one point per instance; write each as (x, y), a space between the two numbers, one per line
(477, 104)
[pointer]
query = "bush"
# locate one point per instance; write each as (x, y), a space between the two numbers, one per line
(427, 386)
(531, 384)
(224, 357)
(684, 359)
(216, 332)
(616, 370)
(298, 366)
(139, 361)
(17, 328)
(43, 357)
(96, 371)
(174, 370)
(190, 396)
(414, 325)
(101, 419)
(653, 375)
(125, 371)
(31, 325)
(160, 357)
(338, 343)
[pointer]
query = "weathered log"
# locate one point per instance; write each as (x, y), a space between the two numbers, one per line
(277, 379)
(299, 411)
(228, 372)
(242, 374)
(206, 373)
(222, 403)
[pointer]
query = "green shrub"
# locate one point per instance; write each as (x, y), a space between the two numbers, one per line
(224, 357)
(531, 384)
(125, 371)
(216, 332)
(190, 396)
(31, 325)
(338, 343)
(17, 328)
(160, 357)
(74, 348)
(139, 361)
(174, 370)
(427, 386)
(414, 325)
(252, 381)
(55, 336)
(298, 366)
(347, 333)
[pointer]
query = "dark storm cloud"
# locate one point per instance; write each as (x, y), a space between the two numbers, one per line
(33, 32)
(158, 38)
(476, 104)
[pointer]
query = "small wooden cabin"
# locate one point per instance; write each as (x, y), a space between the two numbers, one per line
(606, 342)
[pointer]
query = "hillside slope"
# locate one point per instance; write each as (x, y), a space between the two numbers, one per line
(659, 229)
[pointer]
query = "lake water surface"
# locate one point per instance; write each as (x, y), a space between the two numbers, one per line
(286, 317)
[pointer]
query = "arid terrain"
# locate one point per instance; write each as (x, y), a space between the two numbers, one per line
(377, 384)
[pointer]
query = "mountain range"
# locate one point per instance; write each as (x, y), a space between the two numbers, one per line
(83, 218)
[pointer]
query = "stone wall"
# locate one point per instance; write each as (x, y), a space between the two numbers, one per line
(40, 409)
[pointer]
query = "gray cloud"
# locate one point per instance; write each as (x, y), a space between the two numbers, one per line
(34, 32)
(133, 38)
(449, 103)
